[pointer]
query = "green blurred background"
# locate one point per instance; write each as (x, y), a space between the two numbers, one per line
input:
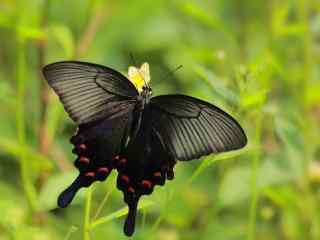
(257, 59)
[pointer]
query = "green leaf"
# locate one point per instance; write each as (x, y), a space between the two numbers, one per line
(216, 84)
(31, 32)
(31, 232)
(235, 187)
(199, 14)
(55, 115)
(291, 137)
(4, 20)
(236, 184)
(6, 93)
(291, 224)
(209, 160)
(37, 160)
(48, 196)
(121, 212)
(255, 99)
(313, 96)
(64, 37)
(12, 214)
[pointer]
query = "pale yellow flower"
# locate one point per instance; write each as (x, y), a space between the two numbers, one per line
(139, 76)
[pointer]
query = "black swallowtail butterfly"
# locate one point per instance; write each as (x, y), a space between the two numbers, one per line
(121, 127)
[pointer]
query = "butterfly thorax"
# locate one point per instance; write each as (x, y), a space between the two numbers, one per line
(146, 94)
(143, 100)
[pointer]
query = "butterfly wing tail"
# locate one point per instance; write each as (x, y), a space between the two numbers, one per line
(67, 195)
(96, 148)
(129, 225)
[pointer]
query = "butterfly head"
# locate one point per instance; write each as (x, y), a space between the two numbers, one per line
(140, 77)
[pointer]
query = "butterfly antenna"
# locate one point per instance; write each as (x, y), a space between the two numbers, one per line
(170, 73)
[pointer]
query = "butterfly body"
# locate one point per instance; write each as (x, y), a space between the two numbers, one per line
(121, 127)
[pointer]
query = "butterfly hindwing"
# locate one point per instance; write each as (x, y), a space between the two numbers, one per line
(191, 128)
(96, 146)
(90, 92)
(145, 164)
(173, 127)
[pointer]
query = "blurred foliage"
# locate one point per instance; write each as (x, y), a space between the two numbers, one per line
(255, 59)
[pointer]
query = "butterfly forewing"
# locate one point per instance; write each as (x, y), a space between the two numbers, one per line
(90, 92)
(193, 128)
(101, 101)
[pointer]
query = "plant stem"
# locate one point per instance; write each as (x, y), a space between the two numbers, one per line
(86, 217)
(254, 178)
(144, 216)
(169, 196)
(83, 45)
(242, 34)
(71, 230)
(103, 202)
(306, 77)
(307, 49)
(94, 23)
(44, 141)
(20, 122)
(43, 135)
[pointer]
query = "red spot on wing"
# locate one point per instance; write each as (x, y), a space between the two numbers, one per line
(82, 147)
(90, 174)
(131, 190)
(157, 174)
(104, 170)
(125, 178)
(123, 161)
(84, 160)
(146, 183)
